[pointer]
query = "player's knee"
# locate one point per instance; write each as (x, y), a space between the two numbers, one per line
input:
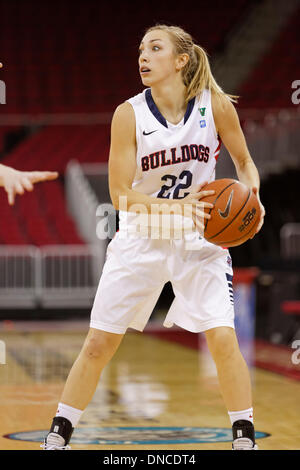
(93, 348)
(100, 345)
(222, 343)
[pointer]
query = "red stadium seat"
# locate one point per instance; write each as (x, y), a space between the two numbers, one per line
(38, 218)
(64, 57)
(277, 63)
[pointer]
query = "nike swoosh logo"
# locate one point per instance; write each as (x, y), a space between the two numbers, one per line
(224, 214)
(148, 133)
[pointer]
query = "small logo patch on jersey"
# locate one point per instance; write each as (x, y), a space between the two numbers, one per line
(202, 111)
(202, 123)
(148, 133)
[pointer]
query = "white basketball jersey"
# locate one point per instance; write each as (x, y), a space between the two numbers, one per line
(172, 159)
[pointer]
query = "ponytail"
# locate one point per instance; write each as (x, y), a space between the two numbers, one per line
(196, 74)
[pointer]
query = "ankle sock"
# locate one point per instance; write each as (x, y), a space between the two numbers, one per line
(70, 413)
(246, 415)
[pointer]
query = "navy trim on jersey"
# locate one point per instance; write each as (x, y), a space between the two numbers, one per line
(154, 109)
(156, 113)
(189, 109)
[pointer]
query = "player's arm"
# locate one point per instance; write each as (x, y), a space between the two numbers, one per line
(229, 129)
(16, 182)
(122, 168)
(122, 154)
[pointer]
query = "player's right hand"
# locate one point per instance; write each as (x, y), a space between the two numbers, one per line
(195, 208)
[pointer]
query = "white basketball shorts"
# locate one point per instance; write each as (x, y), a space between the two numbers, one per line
(136, 270)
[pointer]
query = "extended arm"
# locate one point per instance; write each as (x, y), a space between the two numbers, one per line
(229, 129)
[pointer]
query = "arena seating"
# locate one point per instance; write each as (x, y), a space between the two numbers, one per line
(52, 147)
(9, 134)
(269, 85)
(38, 218)
(65, 57)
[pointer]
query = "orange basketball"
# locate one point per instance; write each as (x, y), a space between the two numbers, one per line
(235, 215)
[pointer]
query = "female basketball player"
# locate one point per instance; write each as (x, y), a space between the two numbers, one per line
(163, 147)
(16, 182)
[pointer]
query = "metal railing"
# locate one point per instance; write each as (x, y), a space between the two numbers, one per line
(49, 276)
(18, 276)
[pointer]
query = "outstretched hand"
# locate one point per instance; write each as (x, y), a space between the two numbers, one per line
(17, 182)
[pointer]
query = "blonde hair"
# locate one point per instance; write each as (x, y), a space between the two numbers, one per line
(196, 74)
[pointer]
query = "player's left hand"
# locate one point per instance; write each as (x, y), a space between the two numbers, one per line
(262, 212)
(17, 182)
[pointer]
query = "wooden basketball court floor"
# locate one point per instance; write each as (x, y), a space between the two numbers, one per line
(160, 391)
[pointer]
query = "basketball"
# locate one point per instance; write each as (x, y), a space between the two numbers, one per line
(235, 215)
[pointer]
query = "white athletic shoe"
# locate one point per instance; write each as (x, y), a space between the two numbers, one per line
(54, 442)
(243, 443)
